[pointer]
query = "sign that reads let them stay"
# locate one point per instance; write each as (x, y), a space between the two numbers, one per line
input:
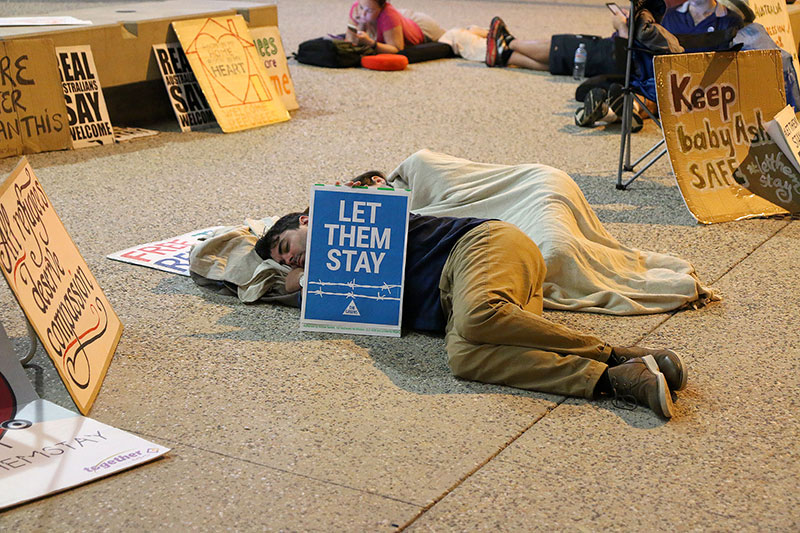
(59, 295)
(355, 260)
(230, 73)
(714, 107)
(45, 448)
(33, 117)
(89, 123)
(190, 106)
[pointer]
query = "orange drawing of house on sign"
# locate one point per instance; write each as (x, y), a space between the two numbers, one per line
(227, 67)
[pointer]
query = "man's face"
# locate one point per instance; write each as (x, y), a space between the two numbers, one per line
(290, 248)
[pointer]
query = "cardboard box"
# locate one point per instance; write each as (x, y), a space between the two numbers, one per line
(122, 36)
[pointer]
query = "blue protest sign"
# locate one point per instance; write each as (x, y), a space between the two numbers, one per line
(355, 260)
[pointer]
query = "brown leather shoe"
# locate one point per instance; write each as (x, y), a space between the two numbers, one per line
(638, 380)
(669, 363)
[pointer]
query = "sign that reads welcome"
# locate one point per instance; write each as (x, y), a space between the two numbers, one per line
(714, 107)
(59, 295)
(190, 106)
(355, 260)
(89, 123)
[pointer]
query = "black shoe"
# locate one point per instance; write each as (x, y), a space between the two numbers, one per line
(594, 108)
(498, 41)
(616, 101)
(669, 363)
(638, 380)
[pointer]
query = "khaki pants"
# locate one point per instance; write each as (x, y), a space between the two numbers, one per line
(491, 290)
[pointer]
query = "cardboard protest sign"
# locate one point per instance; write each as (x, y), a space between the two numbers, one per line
(784, 129)
(713, 107)
(55, 288)
(355, 260)
(171, 255)
(33, 117)
(270, 48)
(45, 448)
(89, 123)
(231, 75)
(773, 15)
(190, 106)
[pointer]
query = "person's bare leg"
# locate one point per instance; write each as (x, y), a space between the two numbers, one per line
(534, 54)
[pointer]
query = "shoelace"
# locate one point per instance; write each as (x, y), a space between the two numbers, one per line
(623, 399)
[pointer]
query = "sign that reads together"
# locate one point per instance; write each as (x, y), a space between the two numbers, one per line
(89, 123)
(59, 295)
(714, 107)
(33, 117)
(355, 260)
(190, 106)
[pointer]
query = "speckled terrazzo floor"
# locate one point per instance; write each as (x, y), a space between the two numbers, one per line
(272, 429)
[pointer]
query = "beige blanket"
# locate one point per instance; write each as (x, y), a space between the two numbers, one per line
(587, 269)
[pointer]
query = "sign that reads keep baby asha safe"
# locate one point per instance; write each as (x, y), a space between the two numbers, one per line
(355, 261)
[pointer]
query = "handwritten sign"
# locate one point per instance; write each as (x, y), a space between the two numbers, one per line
(355, 262)
(33, 117)
(713, 107)
(270, 48)
(188, 102)
(171, 255)
(231, 75)
(784, 129)
(55, 288)
(89, 123)
(773, 15)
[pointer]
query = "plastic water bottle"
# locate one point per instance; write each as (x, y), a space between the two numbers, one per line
(580, 62)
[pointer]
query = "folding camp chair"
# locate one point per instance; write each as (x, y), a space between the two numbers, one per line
(638, 72)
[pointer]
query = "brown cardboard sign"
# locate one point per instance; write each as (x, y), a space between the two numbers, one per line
(713, 109)
(33, 117)
(55, 288)
(190, 106)
(270, 49)
(89, 123)
(226, 64)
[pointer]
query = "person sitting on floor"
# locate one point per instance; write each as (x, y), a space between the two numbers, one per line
(480, 282)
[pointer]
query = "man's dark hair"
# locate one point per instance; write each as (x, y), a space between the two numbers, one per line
(266, 242)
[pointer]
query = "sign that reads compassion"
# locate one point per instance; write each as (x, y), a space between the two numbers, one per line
(53, 284)
(355, 260)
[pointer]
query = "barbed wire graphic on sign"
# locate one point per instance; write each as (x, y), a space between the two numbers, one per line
(352, 285)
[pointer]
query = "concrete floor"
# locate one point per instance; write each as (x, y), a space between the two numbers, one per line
(273, 429)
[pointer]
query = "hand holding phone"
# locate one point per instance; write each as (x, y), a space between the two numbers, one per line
(352, 28)
(615, 9)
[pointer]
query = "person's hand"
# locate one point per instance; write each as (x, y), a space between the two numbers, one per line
(292, 282)
(620, 24)
(351, 36)
(372, 181)
(364, 38)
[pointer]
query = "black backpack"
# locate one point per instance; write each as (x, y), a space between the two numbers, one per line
(331, 53)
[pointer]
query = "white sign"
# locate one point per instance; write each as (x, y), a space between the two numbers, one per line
(171, 255)
(89, 123)
(45, 448)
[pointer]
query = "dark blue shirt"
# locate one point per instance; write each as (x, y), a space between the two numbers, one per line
(430, 241)
(681, 23)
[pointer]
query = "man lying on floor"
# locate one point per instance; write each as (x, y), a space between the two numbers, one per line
(480, 282)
